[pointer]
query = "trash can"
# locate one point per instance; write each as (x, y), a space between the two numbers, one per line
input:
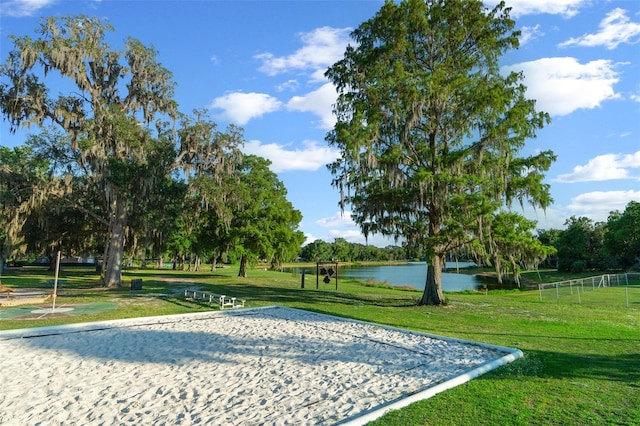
(136, 284)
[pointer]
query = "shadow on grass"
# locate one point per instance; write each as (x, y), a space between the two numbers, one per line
(279, 295)
(176, 275)
(624, 368)
(542, 336)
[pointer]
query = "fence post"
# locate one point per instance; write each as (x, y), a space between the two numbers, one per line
(540, 291)
(557, 293)
(626, 290)
(578, 290)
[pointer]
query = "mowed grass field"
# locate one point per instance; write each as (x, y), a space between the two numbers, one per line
(581, 363)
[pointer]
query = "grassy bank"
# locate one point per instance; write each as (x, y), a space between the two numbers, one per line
(581, 364)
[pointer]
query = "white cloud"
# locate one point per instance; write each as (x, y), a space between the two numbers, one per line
(318, 75)
(21, 8)
(603, 167)
(615, 28)
(598, 204)
(352, 236)
(562, 85)
(566, 8)
(341, 225)
(631, 160)
(318, 102)
(309, 238)
(310, 158)
(239, 107)
(338, 220)
(355, 236)
(530, 33)
(320, 48)
(549, 218)
(287, 85)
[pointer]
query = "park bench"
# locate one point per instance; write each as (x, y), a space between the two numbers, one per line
(222, 300)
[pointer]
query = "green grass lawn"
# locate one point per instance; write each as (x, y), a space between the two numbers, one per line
(581, 363)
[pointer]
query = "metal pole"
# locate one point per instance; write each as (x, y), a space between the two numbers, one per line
(55, 283)
(557, 293)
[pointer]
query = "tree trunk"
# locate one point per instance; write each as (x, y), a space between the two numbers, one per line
(243, 267)
(432, 294)
(516, 271)
(498, 265)
(115, 248)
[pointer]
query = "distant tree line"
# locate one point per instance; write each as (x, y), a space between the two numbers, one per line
(587, 245)
(340, 250)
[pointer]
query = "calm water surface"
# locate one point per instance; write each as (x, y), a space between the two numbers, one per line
(413, 274)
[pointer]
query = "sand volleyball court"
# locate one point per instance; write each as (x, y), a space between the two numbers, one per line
(263, 366)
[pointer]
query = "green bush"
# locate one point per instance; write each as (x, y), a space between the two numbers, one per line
(578, 266)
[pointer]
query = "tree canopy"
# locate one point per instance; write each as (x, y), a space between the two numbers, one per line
(23, 185)
(125, 141)
(430, 130)
(115, 91)
(265, 224)
(622, 235)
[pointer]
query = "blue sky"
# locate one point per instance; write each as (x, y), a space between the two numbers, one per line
(260, 65)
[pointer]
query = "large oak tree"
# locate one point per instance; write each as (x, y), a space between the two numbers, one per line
(430, 130)
(118, 110)
(114, 91)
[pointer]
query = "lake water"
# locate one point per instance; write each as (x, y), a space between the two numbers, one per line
(413, 274)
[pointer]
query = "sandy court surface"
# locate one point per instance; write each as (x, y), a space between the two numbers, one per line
(267, 366)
